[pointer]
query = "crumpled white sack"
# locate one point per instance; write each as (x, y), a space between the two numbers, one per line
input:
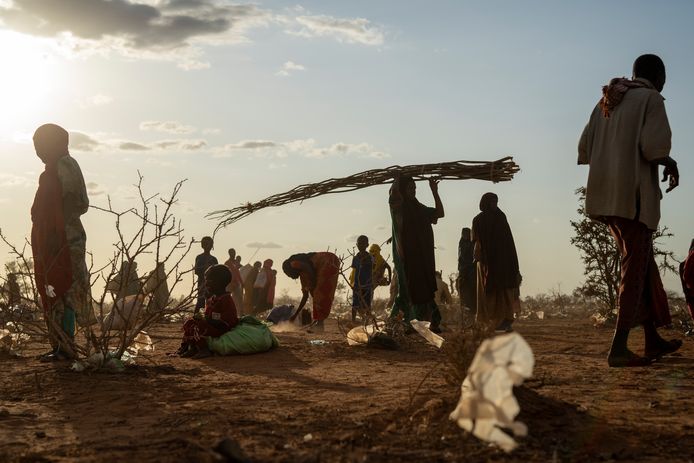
(423, 329)
(486, 402)
(141, 343)
(124, 313)
(360, 335)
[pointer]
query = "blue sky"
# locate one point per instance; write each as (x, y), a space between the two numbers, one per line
(326, 89)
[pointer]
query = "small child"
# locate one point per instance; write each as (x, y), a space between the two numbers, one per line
(380, 268)
(362, 289)
(220, 315)
(202, 263)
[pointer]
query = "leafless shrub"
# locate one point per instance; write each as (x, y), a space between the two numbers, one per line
(146, 232)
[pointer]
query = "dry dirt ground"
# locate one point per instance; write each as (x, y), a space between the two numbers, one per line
(355, 402)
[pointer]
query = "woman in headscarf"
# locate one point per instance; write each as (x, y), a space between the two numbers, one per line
(413, 251)
(248, 285)
(467, 272)
(498, 275)
(236, 285)
(156, 285)
(58, 241)
(264, 288)
(318, 273)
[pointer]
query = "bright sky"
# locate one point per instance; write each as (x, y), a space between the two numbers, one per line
(247, 100)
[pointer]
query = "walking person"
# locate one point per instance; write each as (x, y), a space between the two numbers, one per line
(625, 141)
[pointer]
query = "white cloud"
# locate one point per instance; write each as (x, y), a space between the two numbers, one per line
(211, 131)
(346, 30)
(169, 30)
(12, 180)
(289, 67)
(250, 145)
(167, 127)
(303, 147)
(94, 189)
(89, 143)
(96, 100)
(133, 146)
(180, 145)
(264, 245)
(82, 142)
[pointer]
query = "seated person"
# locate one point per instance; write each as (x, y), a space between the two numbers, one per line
(220, 315)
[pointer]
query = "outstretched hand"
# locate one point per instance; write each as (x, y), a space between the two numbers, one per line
(671, 175)
(434, 185)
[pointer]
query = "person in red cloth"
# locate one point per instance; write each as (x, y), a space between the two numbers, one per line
(220, 315)
(687, 277)
(58, 242)
(318, 273)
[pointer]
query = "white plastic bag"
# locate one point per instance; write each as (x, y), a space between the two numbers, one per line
(359, 335)
(124, 313)
(486, 402)
(423, 329)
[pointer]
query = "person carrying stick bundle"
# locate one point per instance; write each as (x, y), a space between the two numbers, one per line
(413, 251)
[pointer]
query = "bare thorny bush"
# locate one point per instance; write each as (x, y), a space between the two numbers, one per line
(146, 232)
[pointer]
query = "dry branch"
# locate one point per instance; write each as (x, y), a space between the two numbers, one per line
(497, 171)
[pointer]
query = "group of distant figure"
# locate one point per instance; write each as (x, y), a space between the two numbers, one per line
(252, 287)
(626, 139)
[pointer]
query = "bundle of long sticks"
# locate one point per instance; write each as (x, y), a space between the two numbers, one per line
(501, 170)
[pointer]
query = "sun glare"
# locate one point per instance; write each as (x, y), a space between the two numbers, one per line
(29, 73)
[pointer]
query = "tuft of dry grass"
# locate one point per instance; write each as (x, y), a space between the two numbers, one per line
(459, 350)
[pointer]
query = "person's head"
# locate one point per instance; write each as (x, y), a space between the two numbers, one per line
(257, 265)
(238, 260)
(438, 274)
(207, 243)
(232, 253)
(290, 271)
(408, 188)
(375, 249)
(465, 234)
(51, 143)
(362, 243)
(268, 264)
(488, 202)
(128, 266)
(650, 67)
(217, 278)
